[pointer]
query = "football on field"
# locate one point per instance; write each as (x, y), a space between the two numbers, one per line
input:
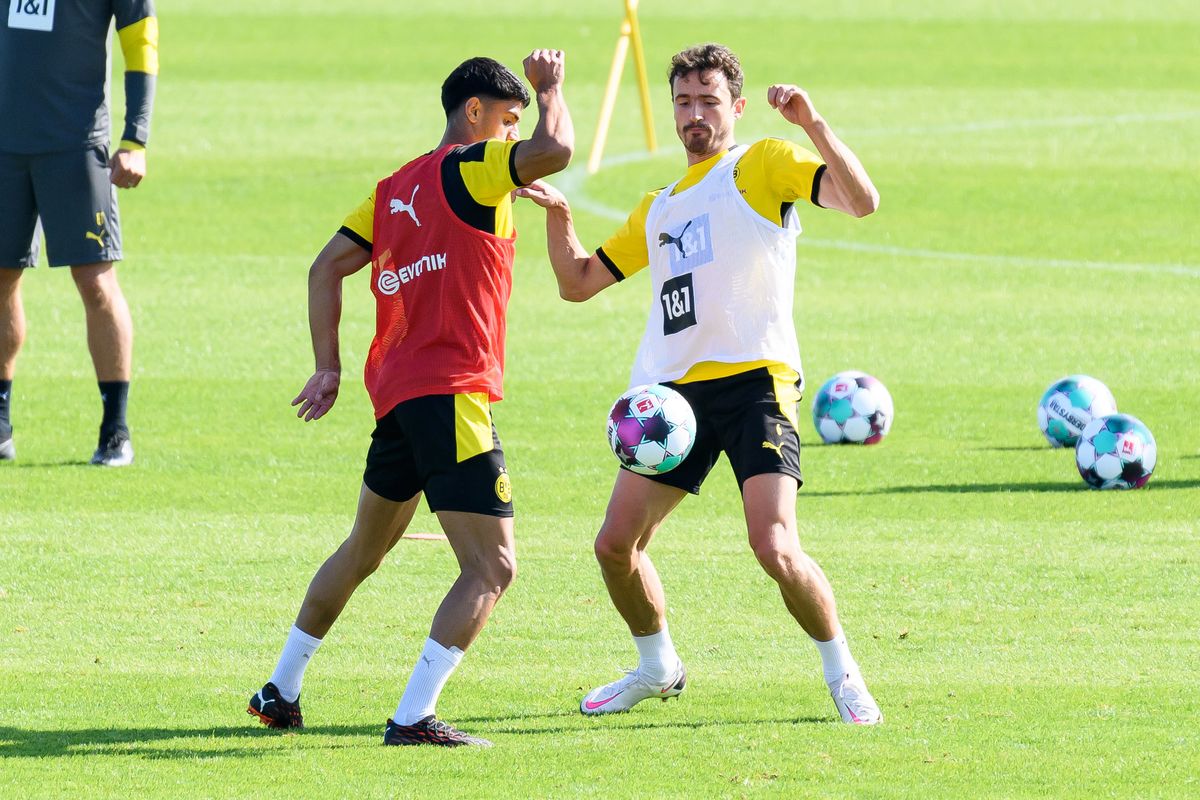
(1069, 405)
(852, 408)
(1116, 452)
(651, 429)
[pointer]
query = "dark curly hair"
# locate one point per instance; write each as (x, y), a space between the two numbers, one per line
(481, 77)
(705, 58)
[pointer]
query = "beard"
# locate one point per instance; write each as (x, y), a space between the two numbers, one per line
(698, 139)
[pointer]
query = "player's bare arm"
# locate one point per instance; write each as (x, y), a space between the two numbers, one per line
(845, 185)
(340, 258)
(550, 147)
(579, 274)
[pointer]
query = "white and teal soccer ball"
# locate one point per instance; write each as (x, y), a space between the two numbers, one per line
(852, 408)
(1116, 452)
(651, 429)
(1069, 405)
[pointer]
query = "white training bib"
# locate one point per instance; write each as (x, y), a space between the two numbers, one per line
(31, 15)
(723, 279)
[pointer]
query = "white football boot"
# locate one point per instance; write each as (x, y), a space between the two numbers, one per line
(624, 694)
(854, 702)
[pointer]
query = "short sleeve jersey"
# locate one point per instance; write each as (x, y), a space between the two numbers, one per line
(772, 175)
(54, 70)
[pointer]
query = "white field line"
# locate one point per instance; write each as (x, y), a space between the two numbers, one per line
(1018, 124)
(573, 184)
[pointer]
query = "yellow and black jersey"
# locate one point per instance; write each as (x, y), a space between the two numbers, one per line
(54, 65)
(478, 180)
(772, 175)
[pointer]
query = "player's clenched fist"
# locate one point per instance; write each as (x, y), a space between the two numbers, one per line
(793, 104)
(545, 69)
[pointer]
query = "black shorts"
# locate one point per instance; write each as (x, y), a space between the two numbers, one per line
(751, 417)
(446, 446)
(72, 197)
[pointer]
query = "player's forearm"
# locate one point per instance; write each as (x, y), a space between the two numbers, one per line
(139, 45)
(845, 169)
(139, 102)
(324, 315)
(568, 258)
(553, 141)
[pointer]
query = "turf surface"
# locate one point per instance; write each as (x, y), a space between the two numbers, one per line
(1025, 636)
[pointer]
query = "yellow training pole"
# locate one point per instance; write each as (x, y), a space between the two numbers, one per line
(639, 63)
(610, 96)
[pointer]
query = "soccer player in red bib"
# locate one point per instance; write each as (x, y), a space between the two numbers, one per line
(439, 237)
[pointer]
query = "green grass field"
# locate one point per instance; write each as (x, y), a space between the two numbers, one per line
(1026, 637)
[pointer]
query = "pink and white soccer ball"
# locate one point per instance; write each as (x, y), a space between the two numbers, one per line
(651, 429)
(852, 408)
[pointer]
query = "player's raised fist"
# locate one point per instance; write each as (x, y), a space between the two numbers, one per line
(545, 69)
(793, 103)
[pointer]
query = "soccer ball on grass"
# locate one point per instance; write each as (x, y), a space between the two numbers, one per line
(1116, 452)
(1069, 405)
(852, 408)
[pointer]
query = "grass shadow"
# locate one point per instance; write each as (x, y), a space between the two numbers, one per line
(619, 722)
(155, 743)
(995, 488)
(21, 743)
(50, 464)
(1021, 448)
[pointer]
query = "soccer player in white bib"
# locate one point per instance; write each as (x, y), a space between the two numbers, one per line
(720, 245)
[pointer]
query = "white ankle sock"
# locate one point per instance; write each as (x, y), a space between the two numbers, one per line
(836, 660)
(425, 684)
(658, 659)
(289, 672)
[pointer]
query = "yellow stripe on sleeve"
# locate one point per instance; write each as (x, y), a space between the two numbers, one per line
(489, 181)
(139, 44)
(774, 171)
(362, 219)
(626, 248)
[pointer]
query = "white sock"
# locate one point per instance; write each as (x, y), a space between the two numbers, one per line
(289, 672)
(836, 660)
(658, 657)
(425, 684)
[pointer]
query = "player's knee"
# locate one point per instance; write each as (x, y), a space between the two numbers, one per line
(615, 553)
(777, 556)
(95, 293)
(97, 287)
(497, 572)
(504, 570)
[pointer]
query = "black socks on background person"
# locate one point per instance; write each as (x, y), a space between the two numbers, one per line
(115, 396)
(5, 405)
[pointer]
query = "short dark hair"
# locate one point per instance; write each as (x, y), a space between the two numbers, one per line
(481, 77)
(706, 58)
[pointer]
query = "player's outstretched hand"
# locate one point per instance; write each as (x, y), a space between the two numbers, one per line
(318, 395)
(793, 103)
(545, 69)
(127, 168)
(543, 194)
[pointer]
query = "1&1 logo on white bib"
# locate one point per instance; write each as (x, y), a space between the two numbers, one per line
(31, 15)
